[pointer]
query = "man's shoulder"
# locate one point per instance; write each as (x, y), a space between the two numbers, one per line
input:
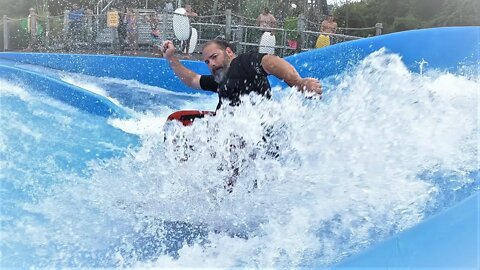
(249, 61)
(249, 56)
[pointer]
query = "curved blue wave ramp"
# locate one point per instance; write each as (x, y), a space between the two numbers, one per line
(70, 94)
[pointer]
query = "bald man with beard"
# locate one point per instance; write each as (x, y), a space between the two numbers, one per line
(233, 76)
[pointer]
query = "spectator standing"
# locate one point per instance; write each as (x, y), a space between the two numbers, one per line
(75, 25)
(155, 33)
(189, 11)
(168, 7)
(122, 30)
(132, 30)
(90, 27)
(329, 26)
(266, 20)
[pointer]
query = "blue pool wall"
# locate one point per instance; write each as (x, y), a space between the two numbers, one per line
(447, 48)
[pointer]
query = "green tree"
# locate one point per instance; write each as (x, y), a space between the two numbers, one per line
(252, 8)
(426, 10)
(15, 8)
(400, 15)
(458, 13)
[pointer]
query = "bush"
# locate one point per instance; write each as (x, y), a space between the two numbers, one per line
(406, 23)
(291, 26)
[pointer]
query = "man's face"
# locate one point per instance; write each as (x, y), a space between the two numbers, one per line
(330, 18)
(218, 60)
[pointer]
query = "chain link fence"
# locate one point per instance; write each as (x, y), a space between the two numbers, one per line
(141, 31)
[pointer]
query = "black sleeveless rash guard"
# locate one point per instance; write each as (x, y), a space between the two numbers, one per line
(244, 76)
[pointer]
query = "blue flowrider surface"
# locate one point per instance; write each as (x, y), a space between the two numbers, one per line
(449, 239)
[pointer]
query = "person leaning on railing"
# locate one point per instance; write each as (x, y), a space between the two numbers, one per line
(329, 26)
(132, 29)
(189, 11)
(266, 20)
(152, 20)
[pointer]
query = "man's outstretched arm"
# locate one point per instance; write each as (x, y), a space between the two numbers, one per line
(187, 76)
(277, 66)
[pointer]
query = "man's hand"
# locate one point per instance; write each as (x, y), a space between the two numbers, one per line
(186, 75)
(310, 85)
(283, 70)
(168, 49)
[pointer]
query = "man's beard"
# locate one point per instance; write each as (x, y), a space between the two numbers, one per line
(220, 73)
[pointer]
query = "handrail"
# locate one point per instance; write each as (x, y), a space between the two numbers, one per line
(356, 29)
(279, 30)
(97, 36)
(333, 35)
(107, 6)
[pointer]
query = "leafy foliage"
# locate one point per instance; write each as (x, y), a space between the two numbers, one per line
(15, 8)
(400, 15)
(396, 15)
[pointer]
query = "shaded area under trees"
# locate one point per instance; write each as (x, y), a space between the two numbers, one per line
(408, 14)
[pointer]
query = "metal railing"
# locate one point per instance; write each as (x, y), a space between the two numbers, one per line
(92, 35)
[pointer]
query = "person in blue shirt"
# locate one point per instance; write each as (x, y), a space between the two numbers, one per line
(75, 24)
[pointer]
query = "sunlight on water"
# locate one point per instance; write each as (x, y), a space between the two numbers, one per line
(286, 182)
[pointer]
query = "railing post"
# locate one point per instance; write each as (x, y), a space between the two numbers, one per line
(65, 21)
(5, 33)
(301, 26)
(89, 15)
(378, 29)
(200, 34)
(284, 40)
(47, 29)
(241, 48)
(33, 33)
(164, 25)
(67, 42)
(228, 24)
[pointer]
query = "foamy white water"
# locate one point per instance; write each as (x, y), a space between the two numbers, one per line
(318, 180)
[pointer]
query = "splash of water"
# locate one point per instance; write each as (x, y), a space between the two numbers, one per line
(278, 183)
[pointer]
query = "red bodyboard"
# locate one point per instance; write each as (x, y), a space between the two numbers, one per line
(187, 117)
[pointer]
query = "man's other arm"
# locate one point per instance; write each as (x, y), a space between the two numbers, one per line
(186, 75)
(280, 68)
